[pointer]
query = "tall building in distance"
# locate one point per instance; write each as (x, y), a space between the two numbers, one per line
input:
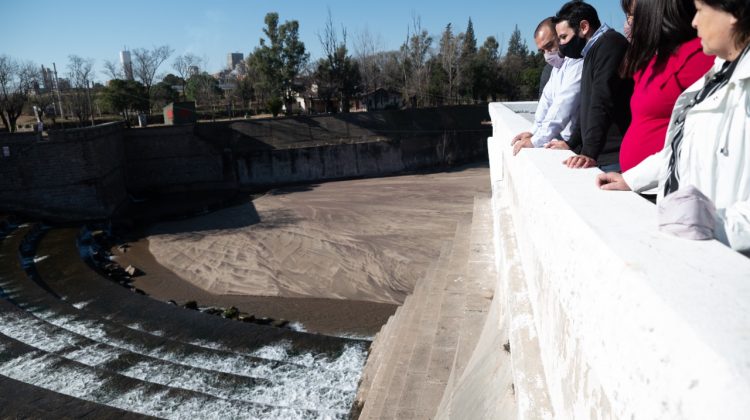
(127, 65)
(233, 59)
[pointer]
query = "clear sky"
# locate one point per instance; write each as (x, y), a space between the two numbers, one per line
(47, 31)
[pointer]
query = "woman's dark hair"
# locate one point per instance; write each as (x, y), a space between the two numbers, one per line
(740, 9)
(575, 11)
(659, 27)
(627, 6)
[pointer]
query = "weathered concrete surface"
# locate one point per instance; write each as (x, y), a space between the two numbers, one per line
(73, 174)
(444, 331)
(631, 323)
(363, 239)
(88, 173)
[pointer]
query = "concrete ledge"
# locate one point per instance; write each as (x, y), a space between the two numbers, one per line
(630, 322)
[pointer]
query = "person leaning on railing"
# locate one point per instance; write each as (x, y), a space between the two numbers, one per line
(665, 57)
(705, 161)
(605, 96)
(557, 111)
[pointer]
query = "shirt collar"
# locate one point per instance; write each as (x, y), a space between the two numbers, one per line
(599, 32)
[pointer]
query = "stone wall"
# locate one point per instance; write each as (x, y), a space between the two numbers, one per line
(75, 173)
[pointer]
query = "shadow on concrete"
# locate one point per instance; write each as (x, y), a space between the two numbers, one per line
(293, 189)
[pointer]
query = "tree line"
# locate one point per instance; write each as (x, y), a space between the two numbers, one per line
(425, 71)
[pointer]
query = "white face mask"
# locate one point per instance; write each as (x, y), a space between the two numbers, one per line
(554, 59)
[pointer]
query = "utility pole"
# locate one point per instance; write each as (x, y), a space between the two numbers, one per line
(91, 106)
(57, 88)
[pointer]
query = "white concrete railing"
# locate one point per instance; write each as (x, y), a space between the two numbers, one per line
(609, 317)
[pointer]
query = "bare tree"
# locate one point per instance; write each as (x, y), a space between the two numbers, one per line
(80, 72)
(450, 47)
(16, 81)
(113, 70)
(186, 65)
(147, 62)
(366, 49)
(337, 74)
(415, 54)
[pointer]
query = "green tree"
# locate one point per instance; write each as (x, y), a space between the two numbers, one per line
(162, 93)
(439, 79)
(517, 46)
(279, 59)
(466, 62)
(125, 96)
(487, 79)
(203, 89)
(514, 65)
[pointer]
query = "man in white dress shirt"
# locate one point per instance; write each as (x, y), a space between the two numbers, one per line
(558, 107)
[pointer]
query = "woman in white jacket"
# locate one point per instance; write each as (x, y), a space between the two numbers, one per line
(708, 140)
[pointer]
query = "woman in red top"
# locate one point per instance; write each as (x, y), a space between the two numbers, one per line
(665, 57)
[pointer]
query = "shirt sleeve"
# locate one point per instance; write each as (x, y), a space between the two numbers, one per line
(734, 226)
(564, 105)
(645, 175)
(544, 103)
(605, 85)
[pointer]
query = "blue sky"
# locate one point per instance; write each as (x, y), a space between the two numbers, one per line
(47, 31)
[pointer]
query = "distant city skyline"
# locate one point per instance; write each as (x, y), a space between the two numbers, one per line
(49, 31)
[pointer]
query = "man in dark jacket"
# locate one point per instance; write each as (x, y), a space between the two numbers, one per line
(605, 96)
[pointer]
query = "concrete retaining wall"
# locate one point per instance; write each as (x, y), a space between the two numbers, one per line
(608, 317)
(367, 159)
(163, 159)
(88, 173)
(77, 173)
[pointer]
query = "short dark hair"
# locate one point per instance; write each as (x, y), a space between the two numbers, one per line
(740, 9)
(546, 22)
(576, 11)
(659, 28)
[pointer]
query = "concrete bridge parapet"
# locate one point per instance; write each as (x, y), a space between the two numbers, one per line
(607, 316)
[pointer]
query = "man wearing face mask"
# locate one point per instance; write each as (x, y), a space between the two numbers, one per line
(605, 96)
(557, 111)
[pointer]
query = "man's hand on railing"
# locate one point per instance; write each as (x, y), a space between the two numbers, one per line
(521, 141)
(557, 144)
(580, 162)
(612, 181)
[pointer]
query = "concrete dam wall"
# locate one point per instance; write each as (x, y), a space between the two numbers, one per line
(594, 313)
(88, 173)
(606, 316)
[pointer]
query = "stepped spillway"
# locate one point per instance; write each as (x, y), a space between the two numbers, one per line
(74, 338)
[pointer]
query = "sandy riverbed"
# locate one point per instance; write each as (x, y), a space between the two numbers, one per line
(339, 249)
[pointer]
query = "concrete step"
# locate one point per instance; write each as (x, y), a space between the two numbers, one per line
(407, 369)
(459, 321)
(430, 373)
(480, 281)
(397, 345)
